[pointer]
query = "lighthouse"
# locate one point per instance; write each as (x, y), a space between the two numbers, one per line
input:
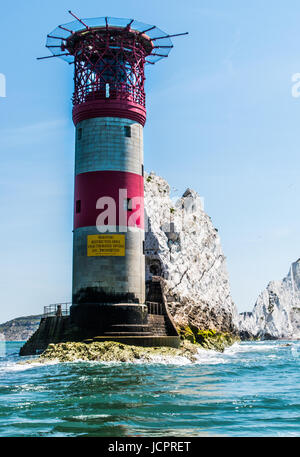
(109, 56)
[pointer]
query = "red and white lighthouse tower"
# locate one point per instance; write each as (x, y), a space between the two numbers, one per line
(109, 57)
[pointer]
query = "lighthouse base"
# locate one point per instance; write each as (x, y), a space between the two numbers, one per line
(148, 325)
(111, 319)
(60, 329)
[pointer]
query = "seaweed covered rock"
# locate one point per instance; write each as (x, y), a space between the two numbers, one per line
(208, 339)
(110, 351)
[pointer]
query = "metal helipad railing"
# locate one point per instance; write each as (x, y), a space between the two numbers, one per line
(57, 309)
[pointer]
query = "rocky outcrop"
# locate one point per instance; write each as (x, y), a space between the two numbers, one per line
(111, 351)
(276, 313)
(183, 247)
(20, 329)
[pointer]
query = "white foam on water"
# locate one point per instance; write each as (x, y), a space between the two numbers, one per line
(210, 357)
(251, 347)
(30, 388)
(168, 360)
(86, 417)
(295, 350)
(203, 356)
(235, 351)
(20, 366)
(155, 359)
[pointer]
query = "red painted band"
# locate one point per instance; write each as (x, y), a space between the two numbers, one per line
(109, 108)
(91, 186)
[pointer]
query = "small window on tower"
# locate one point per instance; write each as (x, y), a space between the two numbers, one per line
(79, 134)
(78, 206)
(127, 129)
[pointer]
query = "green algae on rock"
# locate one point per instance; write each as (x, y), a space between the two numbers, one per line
(110, 351)
(208, 339)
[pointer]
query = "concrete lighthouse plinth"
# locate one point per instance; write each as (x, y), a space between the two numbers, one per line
(108, 318)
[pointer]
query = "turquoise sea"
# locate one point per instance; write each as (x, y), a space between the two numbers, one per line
(253, 389)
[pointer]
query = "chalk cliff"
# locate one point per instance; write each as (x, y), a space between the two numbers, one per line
(19, 329)
(183, 246)
(276, 313)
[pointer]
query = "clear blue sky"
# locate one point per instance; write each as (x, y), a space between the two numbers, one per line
(221, 119)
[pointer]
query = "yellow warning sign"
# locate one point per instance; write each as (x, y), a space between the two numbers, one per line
(105, 245)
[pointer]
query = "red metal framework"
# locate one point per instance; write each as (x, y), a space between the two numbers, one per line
(109, 57)
(109, 63)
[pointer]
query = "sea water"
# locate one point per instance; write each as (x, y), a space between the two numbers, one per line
(252, 389)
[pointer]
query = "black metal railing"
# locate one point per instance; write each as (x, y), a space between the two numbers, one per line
(57, 309)
(155, 308)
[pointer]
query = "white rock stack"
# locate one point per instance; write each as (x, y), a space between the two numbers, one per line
(182, 246)
(276, 313)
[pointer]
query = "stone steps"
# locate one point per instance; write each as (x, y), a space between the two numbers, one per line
(159, 317)
(155, 293)
(157, 324)
(146, 341)
(160, 330)
(129, 328)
